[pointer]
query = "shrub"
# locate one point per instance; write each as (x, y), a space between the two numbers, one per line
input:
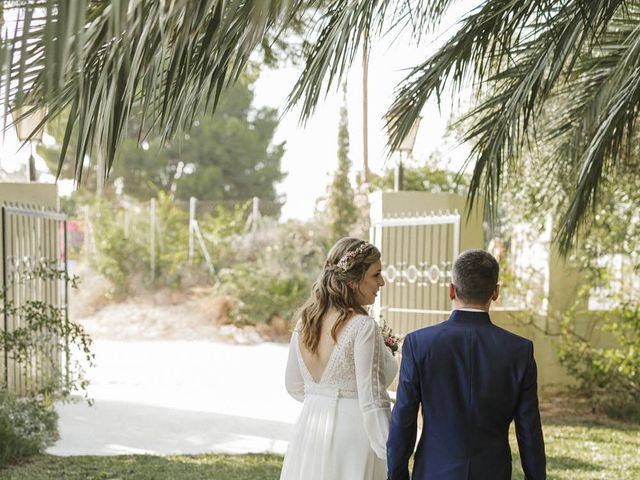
(261, 296)
(125, 260)
(41, 324)
(268, 272)
(27, 426)
(610, 376)
(119, 257)
(605, 261)
(275, 270)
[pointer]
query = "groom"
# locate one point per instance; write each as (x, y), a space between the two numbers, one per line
(472, 379)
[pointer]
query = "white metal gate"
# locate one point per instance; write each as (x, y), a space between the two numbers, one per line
(31, 237)
(418, 252)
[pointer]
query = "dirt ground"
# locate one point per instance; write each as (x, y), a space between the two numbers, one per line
(194, 314)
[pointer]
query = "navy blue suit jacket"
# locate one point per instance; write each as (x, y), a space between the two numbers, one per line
(472, 379)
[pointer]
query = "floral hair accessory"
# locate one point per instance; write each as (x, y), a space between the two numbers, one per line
(344, 263)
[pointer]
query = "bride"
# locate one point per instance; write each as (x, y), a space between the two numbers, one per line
(340, 368)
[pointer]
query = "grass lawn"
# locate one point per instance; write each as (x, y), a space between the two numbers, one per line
(577, 449)
(585, 449)
(148, 467)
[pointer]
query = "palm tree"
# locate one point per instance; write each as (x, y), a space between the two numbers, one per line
(562, 72)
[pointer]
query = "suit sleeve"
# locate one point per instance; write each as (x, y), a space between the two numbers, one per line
(370, 357)
(404, 417)
(293, 377)
(528, 426)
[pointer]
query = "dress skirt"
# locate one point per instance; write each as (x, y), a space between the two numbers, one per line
(329, 442)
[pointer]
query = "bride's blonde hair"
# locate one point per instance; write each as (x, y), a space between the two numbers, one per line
(347, 262)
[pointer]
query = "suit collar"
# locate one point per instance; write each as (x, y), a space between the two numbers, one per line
(462, 316)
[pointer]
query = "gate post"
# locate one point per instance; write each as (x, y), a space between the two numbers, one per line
(5, 375)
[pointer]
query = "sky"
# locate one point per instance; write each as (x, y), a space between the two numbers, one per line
(311, 150)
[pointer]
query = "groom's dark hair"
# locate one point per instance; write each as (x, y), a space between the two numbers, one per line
(475, 276)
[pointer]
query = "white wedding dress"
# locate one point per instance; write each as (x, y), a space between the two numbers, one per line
(342, 431)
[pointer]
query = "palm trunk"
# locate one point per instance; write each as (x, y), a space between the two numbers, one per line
(365, 110)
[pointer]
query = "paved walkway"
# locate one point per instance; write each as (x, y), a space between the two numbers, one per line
(181, 397)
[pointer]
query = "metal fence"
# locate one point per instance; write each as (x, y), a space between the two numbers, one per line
(31, 236)
(417, 257)
(144, 224)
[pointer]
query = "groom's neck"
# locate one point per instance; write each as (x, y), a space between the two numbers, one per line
(459, 305)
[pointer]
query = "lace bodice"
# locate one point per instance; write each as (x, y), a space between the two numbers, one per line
(359, 367)
(362, 334)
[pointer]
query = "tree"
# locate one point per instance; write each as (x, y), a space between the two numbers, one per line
(168, 60)
(161, 63)
(426, 177)
(225, 156)
(607, 264)
(520, 60)
(341, 207)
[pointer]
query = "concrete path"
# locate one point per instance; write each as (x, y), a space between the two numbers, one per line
(181, 397)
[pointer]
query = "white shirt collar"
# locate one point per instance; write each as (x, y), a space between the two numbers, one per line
(471, 310)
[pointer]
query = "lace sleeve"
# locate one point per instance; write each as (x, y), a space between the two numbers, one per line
(372, 394)
(293, 377)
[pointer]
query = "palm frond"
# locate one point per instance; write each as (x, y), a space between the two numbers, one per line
(518, 52)
(592, 118)
(109, 60)
(165, 61)
(343, 28)
(611, 138)
(339, 34)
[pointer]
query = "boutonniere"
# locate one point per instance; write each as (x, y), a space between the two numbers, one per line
(390, 340)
